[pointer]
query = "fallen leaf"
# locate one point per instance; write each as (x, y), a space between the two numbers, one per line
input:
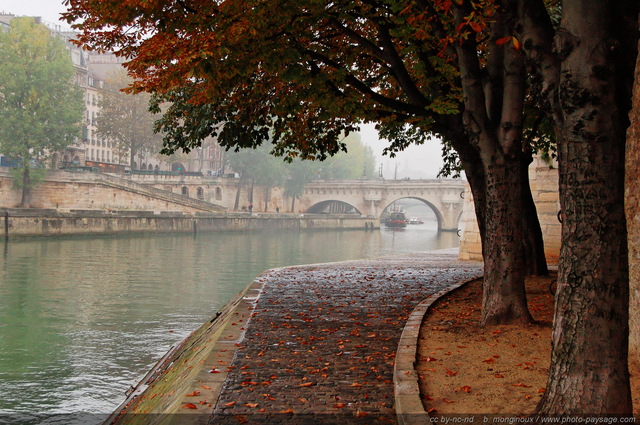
(360, 414)
(252, 405)
(451, 373)
(497, 375)
(194, 394)
(231, 404)
(520, 384)
(306, 384)
(287, 411)
(205, 387)
(189, 406)
(339, 405)
(448, 401)
(489, 360)
(466, 389)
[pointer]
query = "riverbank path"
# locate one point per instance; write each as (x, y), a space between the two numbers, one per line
(320, 345)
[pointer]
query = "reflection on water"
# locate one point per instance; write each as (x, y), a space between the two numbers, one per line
(81, 319)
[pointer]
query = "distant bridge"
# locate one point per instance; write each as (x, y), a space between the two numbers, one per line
(372, 197)
(364, 197)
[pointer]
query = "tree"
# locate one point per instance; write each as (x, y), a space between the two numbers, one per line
(310, 72)
(585, 69)
(40, 106)
(125, 120)
(358, 162)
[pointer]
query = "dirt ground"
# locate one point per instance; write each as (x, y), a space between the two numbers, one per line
(496, 370)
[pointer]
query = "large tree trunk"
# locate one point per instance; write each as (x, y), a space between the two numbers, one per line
(589, 372)
(504, 298)
(26, 188)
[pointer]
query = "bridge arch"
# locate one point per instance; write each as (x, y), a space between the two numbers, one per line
(332, 206)
(442, 223)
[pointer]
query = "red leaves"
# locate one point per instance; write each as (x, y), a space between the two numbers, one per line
(466, 389)
(194, 394)
(189, 406)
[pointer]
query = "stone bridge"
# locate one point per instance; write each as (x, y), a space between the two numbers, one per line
(372, 197)
(364, 197)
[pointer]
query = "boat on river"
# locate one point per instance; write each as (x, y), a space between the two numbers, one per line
(396, 219)
(414, 220)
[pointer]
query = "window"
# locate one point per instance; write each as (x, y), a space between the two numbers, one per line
(200, 193)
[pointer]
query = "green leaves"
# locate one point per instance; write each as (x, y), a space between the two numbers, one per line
(40, 106)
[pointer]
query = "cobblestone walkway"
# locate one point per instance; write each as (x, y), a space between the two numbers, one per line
(321, 344)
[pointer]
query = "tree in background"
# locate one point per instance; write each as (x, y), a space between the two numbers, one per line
(259, 165)
(125, 121)
(41, 108)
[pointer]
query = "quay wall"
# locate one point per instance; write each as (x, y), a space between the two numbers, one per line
(49, 222)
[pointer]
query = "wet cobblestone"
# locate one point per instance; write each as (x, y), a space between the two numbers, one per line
(321, 343)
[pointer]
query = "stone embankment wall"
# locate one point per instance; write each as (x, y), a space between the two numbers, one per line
(46, 222)
(544, 188)
(93, 191)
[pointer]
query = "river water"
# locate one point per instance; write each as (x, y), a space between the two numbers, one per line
(83, 318)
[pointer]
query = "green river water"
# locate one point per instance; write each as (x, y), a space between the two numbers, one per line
(82, 319)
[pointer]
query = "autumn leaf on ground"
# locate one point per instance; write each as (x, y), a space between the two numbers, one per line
(497, 375)
(339, 405)
(189, 406)
(360, 414)
(287, 411)
(466, 389)
(194, 394)
(520, 384)
(205, 387)
(306, 384)
(451, 373)
(231, 404)
(252, 405)
(489, 360)
(448, 401)
(355, 384)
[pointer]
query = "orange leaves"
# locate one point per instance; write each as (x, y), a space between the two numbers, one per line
(466, 389)
(306, 384)
(194, 394)
(451, 373)
(514, 41)
(189, 406)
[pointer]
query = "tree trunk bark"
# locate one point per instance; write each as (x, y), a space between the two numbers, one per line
(589, 372)
(26, 188)
(504, 298)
